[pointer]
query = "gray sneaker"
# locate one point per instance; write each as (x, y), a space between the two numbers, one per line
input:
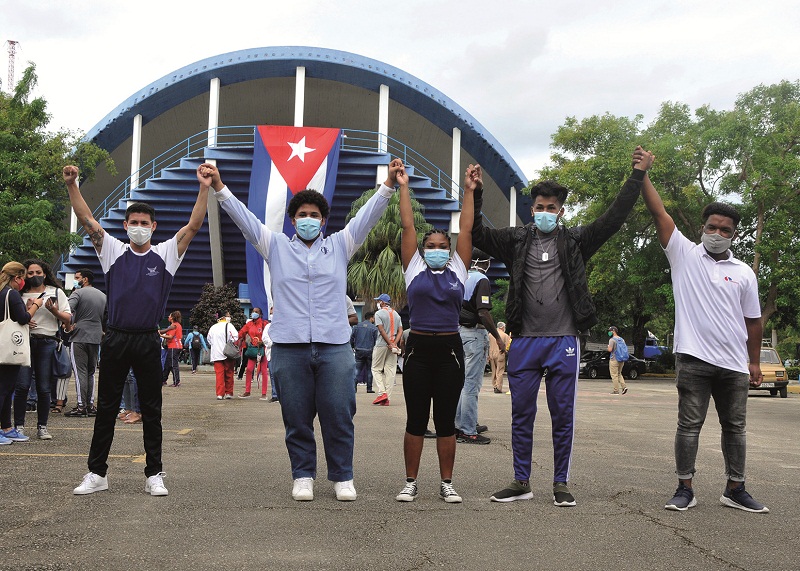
(516, 491)
(682, 500)
(42, 433)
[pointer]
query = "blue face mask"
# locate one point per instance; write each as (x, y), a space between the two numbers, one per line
(76, 284)
(308, 228)
(436, 259)
(545, 221)
(255, 315)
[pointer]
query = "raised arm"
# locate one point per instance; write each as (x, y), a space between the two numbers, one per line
(188, 232)
(82, 211)
(663, 221)
(408, 241)
(473, 179)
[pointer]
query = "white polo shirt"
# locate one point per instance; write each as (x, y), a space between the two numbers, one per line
(711, 301)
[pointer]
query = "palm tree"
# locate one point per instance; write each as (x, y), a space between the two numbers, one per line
(375, 267)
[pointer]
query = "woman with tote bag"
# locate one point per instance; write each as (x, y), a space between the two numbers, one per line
(14, 344)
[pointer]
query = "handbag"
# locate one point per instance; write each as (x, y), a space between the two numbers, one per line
(15, 341)
(62, 364)
(252, 352)
(231, 351)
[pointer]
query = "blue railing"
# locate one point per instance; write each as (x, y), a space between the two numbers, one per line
(193, 147)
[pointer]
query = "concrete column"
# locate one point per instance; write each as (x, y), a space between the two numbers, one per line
(383, 131)
(213, 111)
(136, 151)
(214, 225)
(299, 96)
(512, 207)
(455, 173)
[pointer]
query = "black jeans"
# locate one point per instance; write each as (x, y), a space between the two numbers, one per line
(172, 364)
(121, 351)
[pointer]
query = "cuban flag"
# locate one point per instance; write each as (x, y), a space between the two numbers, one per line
(286, 160)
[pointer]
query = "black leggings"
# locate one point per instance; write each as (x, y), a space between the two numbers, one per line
(433, 370)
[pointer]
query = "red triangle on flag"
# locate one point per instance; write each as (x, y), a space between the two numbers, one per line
(298, 152)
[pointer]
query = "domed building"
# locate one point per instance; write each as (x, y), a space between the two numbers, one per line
(208, 111)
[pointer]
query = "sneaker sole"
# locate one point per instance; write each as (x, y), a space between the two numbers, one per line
(347, 498)
(93, 490)
(525, 496)
(154, 493)
(405, 498)
(452, 499)
(564, 504)
(675, 508)
(302, 498)
(725, 501)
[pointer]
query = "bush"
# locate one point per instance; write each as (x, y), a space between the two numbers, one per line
(664, 363)
(792, 373)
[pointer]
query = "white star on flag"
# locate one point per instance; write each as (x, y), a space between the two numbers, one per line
(299, 150)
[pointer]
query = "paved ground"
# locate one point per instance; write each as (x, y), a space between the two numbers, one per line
(230, 506)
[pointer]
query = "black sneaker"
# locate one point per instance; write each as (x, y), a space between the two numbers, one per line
(472, 439)
(739, 498)
(481, 428)
(91, 411)
(77, 411)
(682, 500)
(561, 496)
(516, 491)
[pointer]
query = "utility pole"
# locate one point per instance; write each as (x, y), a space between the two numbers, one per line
(12, 52)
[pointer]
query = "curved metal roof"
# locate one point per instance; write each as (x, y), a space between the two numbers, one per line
(272, 62)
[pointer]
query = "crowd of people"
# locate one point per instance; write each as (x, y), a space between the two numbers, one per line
(314, 360)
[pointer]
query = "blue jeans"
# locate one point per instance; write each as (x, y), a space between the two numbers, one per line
(697, 381)
(364, 367)
(130, 394)
(317, 379)
(272, 381)
(476, 352)
(42, 349)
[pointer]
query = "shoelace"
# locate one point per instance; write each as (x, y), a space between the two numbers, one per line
(304, 484)
(158, 480)
(410, 489)
(448, 489)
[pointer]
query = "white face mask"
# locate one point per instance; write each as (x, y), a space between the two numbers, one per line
(139, 235)
(715, 243)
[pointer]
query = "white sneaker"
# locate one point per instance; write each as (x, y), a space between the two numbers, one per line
(91, 483)
(42, 433)
(219, 397)
(303, 489)
(345, 491)
(155, 485)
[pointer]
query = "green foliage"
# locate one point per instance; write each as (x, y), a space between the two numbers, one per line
(216, 301)
(34, 205)
(499, 298)
(376, 267)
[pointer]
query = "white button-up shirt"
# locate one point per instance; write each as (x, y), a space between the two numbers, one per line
(308, 284)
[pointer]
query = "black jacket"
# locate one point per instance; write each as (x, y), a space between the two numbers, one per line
(575, 247)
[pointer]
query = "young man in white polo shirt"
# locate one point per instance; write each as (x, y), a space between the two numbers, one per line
(717, 343)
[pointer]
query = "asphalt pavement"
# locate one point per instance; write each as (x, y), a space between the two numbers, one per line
(230, 505)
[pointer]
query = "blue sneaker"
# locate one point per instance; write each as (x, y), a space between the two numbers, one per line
(4, 440)
(682, 500)
(16, 436)
(739, 498)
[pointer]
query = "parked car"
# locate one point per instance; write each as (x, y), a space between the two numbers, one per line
(594, 364)
(775, 378)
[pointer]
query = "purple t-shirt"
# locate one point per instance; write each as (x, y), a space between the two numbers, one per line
(434, 296)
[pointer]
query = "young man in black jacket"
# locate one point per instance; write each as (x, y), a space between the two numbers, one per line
(548, 305)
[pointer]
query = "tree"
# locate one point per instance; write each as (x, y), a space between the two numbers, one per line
(213, 302)
(34, 206)
(376, 267)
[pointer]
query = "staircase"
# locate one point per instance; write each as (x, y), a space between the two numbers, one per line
(174, 191)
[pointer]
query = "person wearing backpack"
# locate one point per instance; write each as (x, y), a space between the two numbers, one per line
(618, 354)
(195, 342)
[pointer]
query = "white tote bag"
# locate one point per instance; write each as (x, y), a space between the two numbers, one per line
(15, 343)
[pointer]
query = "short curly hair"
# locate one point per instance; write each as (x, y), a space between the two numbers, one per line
(723, 210)
(308, 197)
(550, 188)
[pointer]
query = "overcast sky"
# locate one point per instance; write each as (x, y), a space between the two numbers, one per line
(519, 67)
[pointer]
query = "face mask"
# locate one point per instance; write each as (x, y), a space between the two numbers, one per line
(254, 315)
(195, 331)
(437, 259)
(308, 228)
(715, 243)
(610, 333)
(139, 235)
(227, 320)
(76, 284)
(545, 221)
(34, 281)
